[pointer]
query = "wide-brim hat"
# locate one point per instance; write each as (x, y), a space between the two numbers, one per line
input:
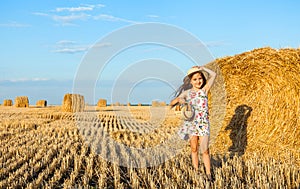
(193, 70)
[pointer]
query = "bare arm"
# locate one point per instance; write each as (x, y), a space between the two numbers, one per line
(178, 100)
(211, 78)
(174, 101)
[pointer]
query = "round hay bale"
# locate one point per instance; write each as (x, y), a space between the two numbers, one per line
(128, 104)
(41, 103)
(102, 103)
(162, 104)
(155, 103)
(7, 102)
(73, 103)
(21, 101)
(139, 104)
(262, 103)
(158, 104)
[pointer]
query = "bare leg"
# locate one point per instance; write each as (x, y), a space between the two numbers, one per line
(205, 153)
(206, 161)
(194, 149)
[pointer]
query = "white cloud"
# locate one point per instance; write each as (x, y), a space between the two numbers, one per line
(27, 79)
(152, 16)
(113, 19)
(65, 42)
(71, 50)
(74, 9)
(14, 25)
(69, 18)
(65, 20)
(71, 47)
(66, 16)
(79, 9)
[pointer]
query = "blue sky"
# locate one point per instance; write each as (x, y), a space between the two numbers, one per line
(44, 42)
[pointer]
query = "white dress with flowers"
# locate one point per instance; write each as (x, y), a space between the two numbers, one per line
(199, 125)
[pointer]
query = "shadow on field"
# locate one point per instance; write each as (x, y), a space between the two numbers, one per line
(238, 135)
(238, 127)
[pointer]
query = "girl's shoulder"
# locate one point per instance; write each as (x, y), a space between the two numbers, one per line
(184, 93)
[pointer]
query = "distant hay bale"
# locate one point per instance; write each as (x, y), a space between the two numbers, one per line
(41, 103)
(155, 103)
(163, 104)
(73, 103)
(262, 103)
(21, 101)
(117, 104)
(7, 102)
(102, 103)
(139, 104)
(128, 104)
(158, 104)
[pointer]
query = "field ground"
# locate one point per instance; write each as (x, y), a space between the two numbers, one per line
(44, 147)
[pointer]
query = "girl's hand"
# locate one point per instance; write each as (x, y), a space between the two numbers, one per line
(181, 101)
(199, 67)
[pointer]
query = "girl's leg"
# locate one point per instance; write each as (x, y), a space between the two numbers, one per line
(205, 153)
(194, 149)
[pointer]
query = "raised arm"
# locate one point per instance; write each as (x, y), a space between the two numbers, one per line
(211, 78)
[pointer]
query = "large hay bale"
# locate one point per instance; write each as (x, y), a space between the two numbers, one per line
(41, 103)
(21, 101)
(73, 103)
(263, 102)
(7, 102)
(102, 103)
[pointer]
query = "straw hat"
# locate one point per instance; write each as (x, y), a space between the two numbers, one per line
(193, 70)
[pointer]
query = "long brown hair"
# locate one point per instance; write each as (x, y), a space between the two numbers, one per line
(187, 83)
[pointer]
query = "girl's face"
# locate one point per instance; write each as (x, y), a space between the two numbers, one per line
(197, 81)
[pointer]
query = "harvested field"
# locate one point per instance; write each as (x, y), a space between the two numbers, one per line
(255, 141)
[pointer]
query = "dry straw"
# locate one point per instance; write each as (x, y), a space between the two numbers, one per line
(263, 102)
(21, 101)
(7, 102)
(158, 104)
(41, 103)
(102, 103)
(73, 103)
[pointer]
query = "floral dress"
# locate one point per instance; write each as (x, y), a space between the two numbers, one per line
(199, 125)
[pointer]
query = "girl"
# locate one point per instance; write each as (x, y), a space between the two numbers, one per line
(194, 91)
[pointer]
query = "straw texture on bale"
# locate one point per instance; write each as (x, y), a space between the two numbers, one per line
(102, 103)
(73, 103)
(41, 103)
(21, 101)
(263, 102)
(7, 102)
